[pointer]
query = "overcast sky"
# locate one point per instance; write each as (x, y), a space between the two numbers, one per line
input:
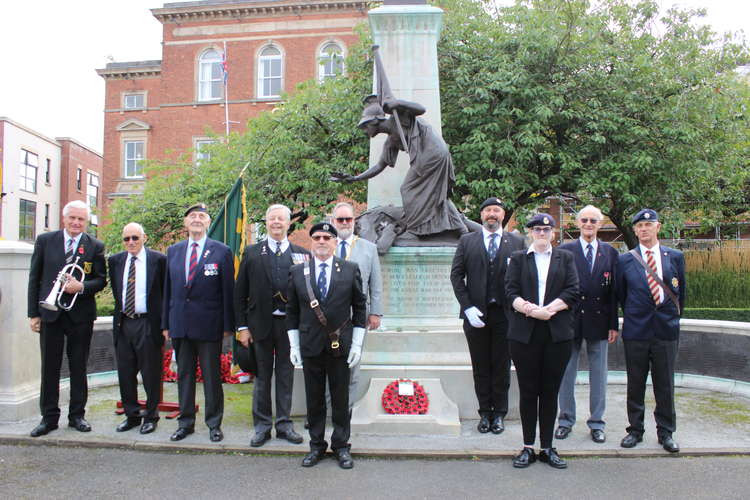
(52, 48)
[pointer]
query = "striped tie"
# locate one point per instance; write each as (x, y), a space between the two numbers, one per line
(130, 289)
(652, 284)
(69, 251)
(193, 264)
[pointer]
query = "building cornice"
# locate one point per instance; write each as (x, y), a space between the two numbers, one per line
(183, 12)
(130, 70)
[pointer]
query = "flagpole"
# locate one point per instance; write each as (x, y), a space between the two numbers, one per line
(226, 90)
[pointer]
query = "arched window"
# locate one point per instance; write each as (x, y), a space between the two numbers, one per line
(269, 72)
(330, 61)
(210, 76)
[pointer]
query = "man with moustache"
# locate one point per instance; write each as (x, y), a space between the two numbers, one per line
(52, 252)
(595, 322)
(651, 289)
(326, 316)
(198, 312)
(478, 279)
(260, 295)
(365, 254)
(137, 279)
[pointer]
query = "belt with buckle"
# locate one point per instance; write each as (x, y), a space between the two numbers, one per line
(136, 316)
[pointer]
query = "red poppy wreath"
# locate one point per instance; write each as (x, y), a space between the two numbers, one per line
(395, 404)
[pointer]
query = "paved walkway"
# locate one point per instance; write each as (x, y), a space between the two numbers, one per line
(709, 423)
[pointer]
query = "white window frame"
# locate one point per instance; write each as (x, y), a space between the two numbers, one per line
(208, 62)
(28, 203)
(28, 171)
(201, 156)
(92, 185)
(326, 63)
(263, 62)
(131, 106)
(132, 159)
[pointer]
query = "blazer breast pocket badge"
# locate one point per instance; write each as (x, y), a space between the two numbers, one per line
(299, 258)
(87, 268)
(211, 269)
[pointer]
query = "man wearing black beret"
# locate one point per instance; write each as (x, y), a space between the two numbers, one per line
(478, 279)
(325, 319)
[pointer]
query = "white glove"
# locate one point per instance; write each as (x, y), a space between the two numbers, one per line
(473, 314)
(355, 353)
(295, 356)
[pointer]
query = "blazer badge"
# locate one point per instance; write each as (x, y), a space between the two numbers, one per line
(87, 268)
(299, 258)
(675, 282)
(211, 269)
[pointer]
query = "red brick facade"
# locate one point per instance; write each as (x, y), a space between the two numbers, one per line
(77, 160)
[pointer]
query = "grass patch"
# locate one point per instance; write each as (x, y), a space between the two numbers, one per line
(725, 409)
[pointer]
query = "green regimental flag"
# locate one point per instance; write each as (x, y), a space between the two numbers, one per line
(229, 228)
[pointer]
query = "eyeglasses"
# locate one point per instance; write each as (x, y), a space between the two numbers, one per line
(586, 220)
(324, 237)
(128, 238)
(344, 219)
(540, 229)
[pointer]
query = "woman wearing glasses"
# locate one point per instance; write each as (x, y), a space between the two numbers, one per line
(541, 284)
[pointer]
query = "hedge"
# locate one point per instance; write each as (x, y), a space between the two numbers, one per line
(718, 289)
(725, 314)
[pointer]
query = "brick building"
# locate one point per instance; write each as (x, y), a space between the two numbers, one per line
(161, 109)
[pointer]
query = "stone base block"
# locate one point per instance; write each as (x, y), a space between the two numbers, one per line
(21, 404)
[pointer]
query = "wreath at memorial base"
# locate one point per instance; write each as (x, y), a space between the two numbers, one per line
(395, 404)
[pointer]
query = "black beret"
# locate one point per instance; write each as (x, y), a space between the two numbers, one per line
(646, 214)
(325, 227)
(541, 220)
(491, 201)
(198, 207)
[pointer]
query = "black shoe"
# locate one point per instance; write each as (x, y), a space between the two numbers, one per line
(631, 440)
(128, 424)
(668, 444)
(525, 458)
(313, 458)
(215, 434)
(42, 429)
(497, 426)
(80, 424)
(484, 425)
(181, 433)
(598, 436)
(290, 436)
(344, 458)
(562, 432)
(260, 439)
(552, 458)
(148, 427)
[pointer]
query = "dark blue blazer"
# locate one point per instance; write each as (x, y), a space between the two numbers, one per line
(643, 320)
(596, 311)
(205, 309)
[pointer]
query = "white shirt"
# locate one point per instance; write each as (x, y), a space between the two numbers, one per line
(329, 271)
(140, 281)
(487, 238)
(657, 260)
(348, 246)
(201, 243)
(594, 247)
(76, 240)
(272, 245)
(542, 261)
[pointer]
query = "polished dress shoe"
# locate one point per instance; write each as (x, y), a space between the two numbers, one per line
(484, 425)
(552, 458)
(344, 458)
(260, 439)
(668, 444)
(525, 458)
(497, 426)
(313, 458)
(43, 428)
(215, 434)
(128, 424)
(562, 432)
(148, 427)
(598, 436)
(290, 436)
(181, 433)
(631, 440)
(80, 424)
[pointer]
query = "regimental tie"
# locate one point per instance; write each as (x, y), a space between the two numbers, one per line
(590, 256)
(69, 251)
(652, 284)
(193, 264)
(342, 251)
(492, 249)
(322, 282)
(130, 289)
(278, 249)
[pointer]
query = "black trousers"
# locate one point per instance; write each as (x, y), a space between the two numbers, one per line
(540, 366)
(272, 355)
(52, 340)
(490, 361)
(137, 351)
(316, 370)
(188, 352)
(659, 356)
